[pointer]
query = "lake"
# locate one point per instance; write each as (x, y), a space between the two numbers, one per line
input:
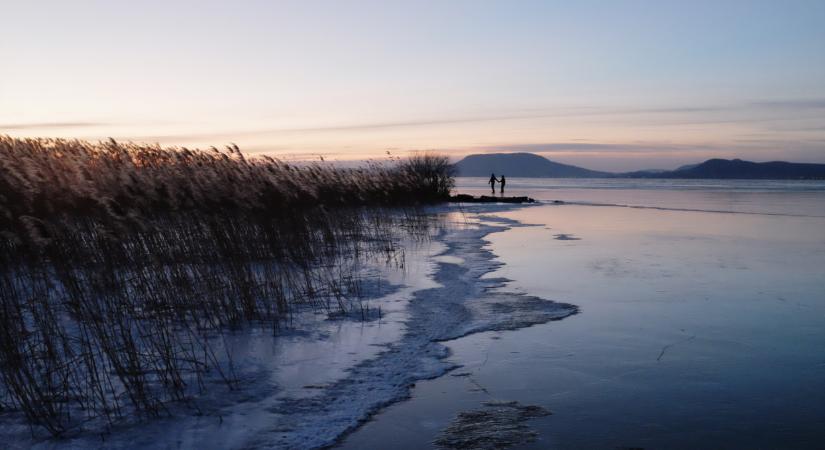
(701, 324)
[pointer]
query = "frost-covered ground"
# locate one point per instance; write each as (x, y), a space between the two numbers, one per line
(322, 376)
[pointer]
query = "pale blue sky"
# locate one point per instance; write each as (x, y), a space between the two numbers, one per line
(610, 85)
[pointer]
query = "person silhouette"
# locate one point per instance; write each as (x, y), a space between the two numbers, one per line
(492, 183)
(501, 181)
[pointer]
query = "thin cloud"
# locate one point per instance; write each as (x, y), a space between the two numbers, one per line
(35, 125)
(565, 112)
(368, 125)
(799, 104)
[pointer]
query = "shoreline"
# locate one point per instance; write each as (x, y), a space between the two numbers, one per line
(461, 304)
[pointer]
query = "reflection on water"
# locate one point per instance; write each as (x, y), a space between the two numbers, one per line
(697, 329)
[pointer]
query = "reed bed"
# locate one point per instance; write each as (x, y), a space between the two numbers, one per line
(123, 266)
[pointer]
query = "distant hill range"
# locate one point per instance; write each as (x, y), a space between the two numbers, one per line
(521, 165)
(535, 166)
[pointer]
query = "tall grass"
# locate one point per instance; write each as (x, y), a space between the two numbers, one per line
(123, 265)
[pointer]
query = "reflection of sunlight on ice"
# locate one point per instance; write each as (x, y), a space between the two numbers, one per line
(725, 295)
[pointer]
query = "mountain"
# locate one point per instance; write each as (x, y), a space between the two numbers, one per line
(529, 165)
(736, 168)
(525, 165)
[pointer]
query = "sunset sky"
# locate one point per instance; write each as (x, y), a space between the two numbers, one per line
(610, 85)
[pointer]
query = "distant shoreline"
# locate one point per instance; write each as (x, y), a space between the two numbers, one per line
(529, 165)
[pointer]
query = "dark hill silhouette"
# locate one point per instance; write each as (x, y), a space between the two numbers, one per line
(529, 165)
(736, 168)
(520, 165)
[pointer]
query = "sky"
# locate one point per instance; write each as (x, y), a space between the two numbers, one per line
(609, 85)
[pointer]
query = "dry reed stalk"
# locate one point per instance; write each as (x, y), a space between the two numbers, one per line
(122, 266)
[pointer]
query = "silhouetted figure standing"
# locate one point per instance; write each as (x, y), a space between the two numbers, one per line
(492, 183)
(502, 181)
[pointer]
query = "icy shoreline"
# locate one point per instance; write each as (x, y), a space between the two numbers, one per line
(464, 303)
(269, 413)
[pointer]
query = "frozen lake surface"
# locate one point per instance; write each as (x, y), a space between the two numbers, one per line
(323, 374)
(701, 323)
(697, 329)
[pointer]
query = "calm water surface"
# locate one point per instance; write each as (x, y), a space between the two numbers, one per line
(697, 329)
